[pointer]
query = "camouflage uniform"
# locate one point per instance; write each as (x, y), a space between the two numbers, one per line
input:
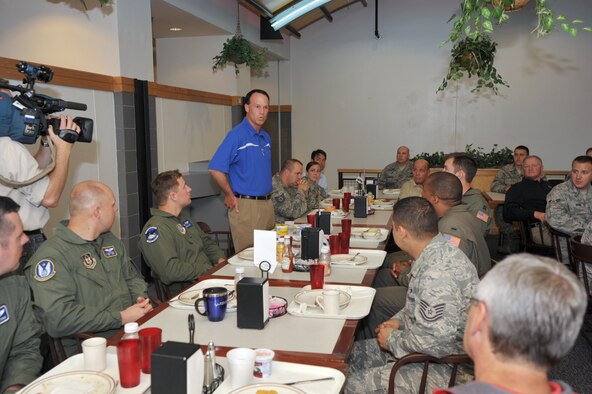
(432, 322)
(508, 175)
(289, 203)
(393, 175)
(569, 209)
(587, 236)
(410, 189)
(478, 206)
(315, 194)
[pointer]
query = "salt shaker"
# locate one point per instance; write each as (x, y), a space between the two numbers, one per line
(208, 371)
(212, 351)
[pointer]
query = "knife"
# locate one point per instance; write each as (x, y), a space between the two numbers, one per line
(309, 381)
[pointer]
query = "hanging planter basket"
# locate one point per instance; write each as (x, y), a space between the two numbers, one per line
(510, 5)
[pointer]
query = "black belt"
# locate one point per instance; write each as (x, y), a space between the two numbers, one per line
(252, 197)
(34, 232)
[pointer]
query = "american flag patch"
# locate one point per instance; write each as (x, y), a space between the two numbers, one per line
(482, 216)
(452, 240)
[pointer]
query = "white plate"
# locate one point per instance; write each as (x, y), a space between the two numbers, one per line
(274, 387)
(74, 382)
(346, 259)
(309, 297)
(189, 298)
(247, 254)
(392, 191)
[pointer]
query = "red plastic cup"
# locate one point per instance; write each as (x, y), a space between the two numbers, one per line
(150, 340)
(345, 205)
(335, 244)
(344, 238)
(317, 276)
(336, 203)
(347, 195)
(312, 219)
(346, 225)
(128, 358)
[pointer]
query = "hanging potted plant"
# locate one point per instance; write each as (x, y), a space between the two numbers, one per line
(472, 29)
(237, 50)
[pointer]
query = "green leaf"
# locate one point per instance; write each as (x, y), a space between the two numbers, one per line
(497, 12)
(573, 32)
(451, 18)
(577, 21)
(485, 13)
(561, 17)
(488, 26)
(587, 28)
(565, 27)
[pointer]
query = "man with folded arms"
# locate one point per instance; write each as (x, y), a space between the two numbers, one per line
(20, 360)
(457, 226)
(242, 169)
(525, 316)
(172, 244)
(290, 192)
(508, 175)
(526, 201)
(432, 321)
(414, 186)
(82, 278)
(395, 174)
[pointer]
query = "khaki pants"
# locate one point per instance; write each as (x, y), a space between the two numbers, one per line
(535, 232)
(252, 215)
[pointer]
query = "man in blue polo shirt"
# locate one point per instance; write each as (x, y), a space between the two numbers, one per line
(242, 168)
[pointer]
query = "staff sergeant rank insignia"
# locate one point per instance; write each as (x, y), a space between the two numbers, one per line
(44, 270)
(89, 261)
(431, 313)
(109, 251)
(181, 229)
(151, 234)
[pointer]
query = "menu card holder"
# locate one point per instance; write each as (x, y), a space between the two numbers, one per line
(177, 368)
(360, 206)
(252, 310)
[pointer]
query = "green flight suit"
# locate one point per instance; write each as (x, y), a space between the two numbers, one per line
(479, 207)
(82, 286)
(176, 248)
(20, 360)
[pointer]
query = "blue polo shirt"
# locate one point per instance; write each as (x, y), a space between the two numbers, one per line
(245, 156)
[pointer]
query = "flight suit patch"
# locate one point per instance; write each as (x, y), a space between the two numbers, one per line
(452, 240)
(187, 224)
(44, 270)
(89, 261)
(151, 234)
(482, 216)
(4, 316)
(109, 251)
(181, 229)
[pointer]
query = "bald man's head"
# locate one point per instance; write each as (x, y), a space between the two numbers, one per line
(445, 186)
(402, 155)
(421, 170)
(85, 195)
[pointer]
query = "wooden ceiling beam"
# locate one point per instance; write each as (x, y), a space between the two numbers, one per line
(326, 13)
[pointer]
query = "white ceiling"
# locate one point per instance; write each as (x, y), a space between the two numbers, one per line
(165, 16)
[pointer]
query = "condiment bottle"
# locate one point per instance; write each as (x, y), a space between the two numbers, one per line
(287, 257)
(239, 273)
(280, 249)
(131, 331)
(325, 259)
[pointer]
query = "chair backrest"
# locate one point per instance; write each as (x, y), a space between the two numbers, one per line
(163, 292)
(581, 255)
(58, 354)
(557, 237)
(222, 238)
(528, 242)
(454, 360)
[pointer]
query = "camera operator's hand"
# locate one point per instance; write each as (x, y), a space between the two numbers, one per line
(66, 122)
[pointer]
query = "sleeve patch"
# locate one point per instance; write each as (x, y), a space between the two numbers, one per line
(4, 316)
(44, 270)
(431, 313)
(483, 216)
(452, 240)
(151, 234)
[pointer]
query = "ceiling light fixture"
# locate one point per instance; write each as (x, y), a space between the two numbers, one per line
(297, 10)
(175, 28)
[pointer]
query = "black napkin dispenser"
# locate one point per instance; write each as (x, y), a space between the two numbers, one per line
(360, 206)
(324, 221)
(309, 243)
(177, 368)
(252, 309)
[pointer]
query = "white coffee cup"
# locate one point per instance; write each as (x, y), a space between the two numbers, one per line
(329, 302)
(94, 351)
(242, 362)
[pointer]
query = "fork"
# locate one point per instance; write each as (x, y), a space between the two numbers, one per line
(191, 324)
(354, 258)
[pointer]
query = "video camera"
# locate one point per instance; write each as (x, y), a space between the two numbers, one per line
(24, 118)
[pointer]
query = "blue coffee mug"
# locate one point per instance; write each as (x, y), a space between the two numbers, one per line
(215, 300)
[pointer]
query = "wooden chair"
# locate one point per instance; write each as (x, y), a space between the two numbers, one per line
(454, 360)
(529, 245)
(58, 354)
(163, 292)
(556, 237)
(581, 255)
(222, 238)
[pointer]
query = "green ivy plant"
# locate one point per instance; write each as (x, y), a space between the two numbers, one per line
(493, 159)
(475, 23)
(238, 50)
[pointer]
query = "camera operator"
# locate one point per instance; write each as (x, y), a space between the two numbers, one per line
(19, 165)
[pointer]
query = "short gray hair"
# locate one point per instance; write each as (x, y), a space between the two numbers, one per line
(535, 307)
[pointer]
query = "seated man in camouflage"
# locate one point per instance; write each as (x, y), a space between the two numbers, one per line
(82, 278)
(20, 360)
(465, 169)
(290, 192)
(414, 186)
(508, 175)
(395, 174)
(174, 247)
(525, 317)
(432, 321)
